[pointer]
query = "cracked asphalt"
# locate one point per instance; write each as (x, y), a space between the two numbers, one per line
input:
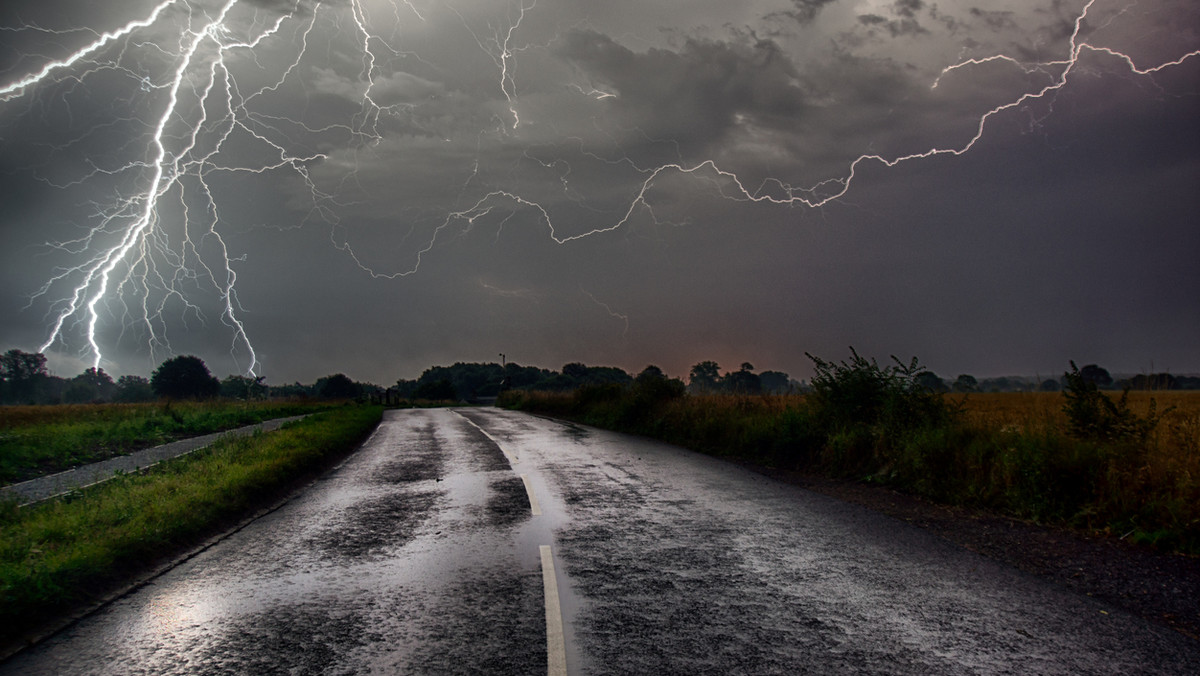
(420, 555)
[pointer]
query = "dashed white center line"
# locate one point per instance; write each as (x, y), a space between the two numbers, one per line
(533, 503)
(556, 650)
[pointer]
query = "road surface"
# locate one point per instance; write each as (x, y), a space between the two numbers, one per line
(480, 541)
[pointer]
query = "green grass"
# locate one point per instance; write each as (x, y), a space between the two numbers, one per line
(40, 440)
(65, 553)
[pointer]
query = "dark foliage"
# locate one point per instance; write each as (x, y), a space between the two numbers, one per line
(1091, 414)
(1095, 375)
(337, 386)
(438, 390)
(184, 377)
(860, 393)
(133, 389)
(21, 374)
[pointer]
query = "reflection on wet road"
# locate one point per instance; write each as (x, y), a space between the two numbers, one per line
(421, 555)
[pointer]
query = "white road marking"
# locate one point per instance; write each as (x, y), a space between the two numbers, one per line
(533, 503)
(556, 649)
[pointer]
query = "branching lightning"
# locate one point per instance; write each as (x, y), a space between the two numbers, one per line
(145, 248)
(611, 312)
(146, 257)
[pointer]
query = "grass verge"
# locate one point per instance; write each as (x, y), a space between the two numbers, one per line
(67, 553)
(40, 440)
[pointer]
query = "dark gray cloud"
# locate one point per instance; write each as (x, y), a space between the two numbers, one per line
(803, 11)
(483, 181)
(693, 95)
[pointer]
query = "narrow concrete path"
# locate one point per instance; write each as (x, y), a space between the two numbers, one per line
(53, 485)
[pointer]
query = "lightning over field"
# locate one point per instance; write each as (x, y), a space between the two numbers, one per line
(285, 185)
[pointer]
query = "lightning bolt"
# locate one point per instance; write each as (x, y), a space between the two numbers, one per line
(611, 312)
(146, 259)
(499, 48)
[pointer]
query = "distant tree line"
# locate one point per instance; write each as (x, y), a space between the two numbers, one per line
(706, 378)
(1092, 374)
(24, 379)
(475, 381)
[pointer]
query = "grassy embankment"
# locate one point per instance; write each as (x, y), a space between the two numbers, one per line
(39, 440)
(1082, 458)
(62, 554)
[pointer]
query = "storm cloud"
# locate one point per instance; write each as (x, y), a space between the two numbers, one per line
(375, 187)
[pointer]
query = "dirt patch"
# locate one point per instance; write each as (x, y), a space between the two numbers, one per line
(1159, 587)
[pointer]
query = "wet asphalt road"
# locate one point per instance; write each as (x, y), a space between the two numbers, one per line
(421, 555)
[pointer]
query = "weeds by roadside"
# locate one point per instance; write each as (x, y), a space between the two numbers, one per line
(1076, 458)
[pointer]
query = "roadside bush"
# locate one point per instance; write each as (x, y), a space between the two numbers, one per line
(1091, 414)
(799, 439)
(860, 393)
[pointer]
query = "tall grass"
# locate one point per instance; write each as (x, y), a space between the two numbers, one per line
(38, 440)
(1014, 453)
(63, 553)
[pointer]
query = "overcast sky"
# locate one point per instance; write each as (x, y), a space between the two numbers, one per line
(375, 187)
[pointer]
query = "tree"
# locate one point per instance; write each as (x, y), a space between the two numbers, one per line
(337, 386)
(21, 373)
(91, 385)
(930, 381)
(966, 383)
(743, 381)
(243, 387)
(705, 377)
(1096, 375)
(438, 390)
(652, 385)
(133, 389)
(775, 382)
(575, 371)
(650, 374)
(1154, 381)
(184, 377)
